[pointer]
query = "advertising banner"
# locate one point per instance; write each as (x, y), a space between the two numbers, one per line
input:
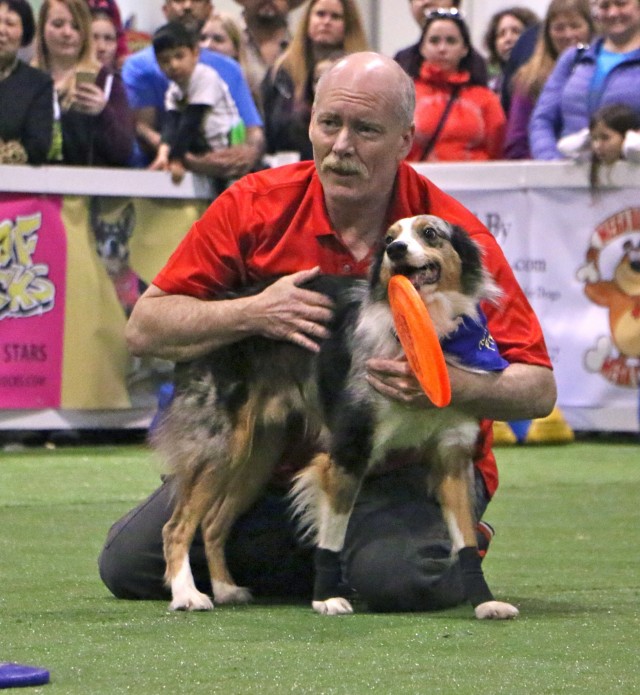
(71, 268)
(33, 262)
(577, 258)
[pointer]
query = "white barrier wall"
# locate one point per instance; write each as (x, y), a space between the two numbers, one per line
(576, 254)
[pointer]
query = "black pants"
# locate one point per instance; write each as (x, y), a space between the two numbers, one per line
(397, 553)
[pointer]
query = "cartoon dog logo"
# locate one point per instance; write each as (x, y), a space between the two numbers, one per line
(616, 357)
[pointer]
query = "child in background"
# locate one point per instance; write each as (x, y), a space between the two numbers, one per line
(613, 134)
(201, 115)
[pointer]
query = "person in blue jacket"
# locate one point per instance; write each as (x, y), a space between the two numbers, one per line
(587, 78)
(146, 86)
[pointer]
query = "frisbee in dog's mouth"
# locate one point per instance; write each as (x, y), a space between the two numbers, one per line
(428, 274)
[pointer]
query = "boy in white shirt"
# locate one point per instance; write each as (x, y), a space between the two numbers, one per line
(201, 115)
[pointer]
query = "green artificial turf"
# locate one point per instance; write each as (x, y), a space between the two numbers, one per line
(564, 552)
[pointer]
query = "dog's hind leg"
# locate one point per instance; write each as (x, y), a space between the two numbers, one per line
(256, 452)
(216, 526)
(453, 493)
(324, 495)
(177, 536)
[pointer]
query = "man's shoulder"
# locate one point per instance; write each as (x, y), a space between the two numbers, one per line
(279, 180)
(34, 76)
(225, 66)
(139, 63)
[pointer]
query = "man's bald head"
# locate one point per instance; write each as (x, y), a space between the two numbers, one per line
(374, 72)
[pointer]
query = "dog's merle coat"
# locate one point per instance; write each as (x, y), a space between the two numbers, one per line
(240, 408)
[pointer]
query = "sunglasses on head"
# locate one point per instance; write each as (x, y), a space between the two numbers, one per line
(445, 13)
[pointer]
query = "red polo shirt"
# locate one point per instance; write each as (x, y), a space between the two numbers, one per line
(275, 222)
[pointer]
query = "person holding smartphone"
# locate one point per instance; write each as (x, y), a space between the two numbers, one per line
(94, 125)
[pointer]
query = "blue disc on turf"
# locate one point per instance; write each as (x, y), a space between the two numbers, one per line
(20, 676)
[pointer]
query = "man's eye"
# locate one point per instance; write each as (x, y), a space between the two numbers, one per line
(368, 130)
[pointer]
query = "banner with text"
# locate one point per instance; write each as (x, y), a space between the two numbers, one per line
(577, 257)
(71, 268)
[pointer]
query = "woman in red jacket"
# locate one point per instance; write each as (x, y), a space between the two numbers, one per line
(457, 119)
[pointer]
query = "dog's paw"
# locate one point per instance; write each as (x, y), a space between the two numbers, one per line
(230, 593)
(496, 610)
(333, 606)
(191, 601)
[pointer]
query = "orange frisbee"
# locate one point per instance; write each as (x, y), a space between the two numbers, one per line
(419, 340)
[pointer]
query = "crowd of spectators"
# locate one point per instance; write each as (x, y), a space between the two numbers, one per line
(566, 23)
(86, 99)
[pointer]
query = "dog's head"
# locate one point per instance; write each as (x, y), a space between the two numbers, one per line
(440, 259)
(112, 223)
(433, 254)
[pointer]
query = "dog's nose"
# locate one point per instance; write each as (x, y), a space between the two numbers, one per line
(397, 250)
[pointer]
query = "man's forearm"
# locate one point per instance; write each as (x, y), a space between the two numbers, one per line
(180, 328)
(230, 162)
(522, 391)
(255, 138)
(146, 131)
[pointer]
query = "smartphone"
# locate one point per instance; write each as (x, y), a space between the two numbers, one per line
(86, 76)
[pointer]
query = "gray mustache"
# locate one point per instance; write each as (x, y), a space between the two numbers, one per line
(342, 166)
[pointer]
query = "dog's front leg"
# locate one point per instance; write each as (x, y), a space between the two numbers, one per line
(324, 497)
(453, 492)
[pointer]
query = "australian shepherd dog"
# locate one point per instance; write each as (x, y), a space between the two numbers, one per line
(238, 409)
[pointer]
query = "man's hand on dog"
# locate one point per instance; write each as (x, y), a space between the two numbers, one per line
(395, 380)
(287, 311)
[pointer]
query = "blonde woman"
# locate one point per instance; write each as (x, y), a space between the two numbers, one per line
(223, 33)
(566, 23)
(95, 123)
(325, 27)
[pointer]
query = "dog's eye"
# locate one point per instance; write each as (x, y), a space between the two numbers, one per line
(388, 239)
(429, 233)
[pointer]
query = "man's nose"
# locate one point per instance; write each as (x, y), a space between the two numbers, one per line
(342, 143)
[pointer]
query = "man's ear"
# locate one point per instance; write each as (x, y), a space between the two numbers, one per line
(407, 140)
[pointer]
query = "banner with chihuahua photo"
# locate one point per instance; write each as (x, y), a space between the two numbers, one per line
(71, 268)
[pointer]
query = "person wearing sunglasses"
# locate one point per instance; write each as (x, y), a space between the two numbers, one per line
(410, 59)
(457, 118)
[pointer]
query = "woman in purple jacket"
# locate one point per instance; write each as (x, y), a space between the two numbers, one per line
(567, 23)
(585, 79)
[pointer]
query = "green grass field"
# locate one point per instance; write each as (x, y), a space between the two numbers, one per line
(564, 553)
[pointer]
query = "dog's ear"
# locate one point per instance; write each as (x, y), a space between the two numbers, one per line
(471, 259)
(94, 212)
(374, 270)
(129, 218)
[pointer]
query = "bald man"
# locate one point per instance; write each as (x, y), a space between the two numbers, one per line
(397, 554)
